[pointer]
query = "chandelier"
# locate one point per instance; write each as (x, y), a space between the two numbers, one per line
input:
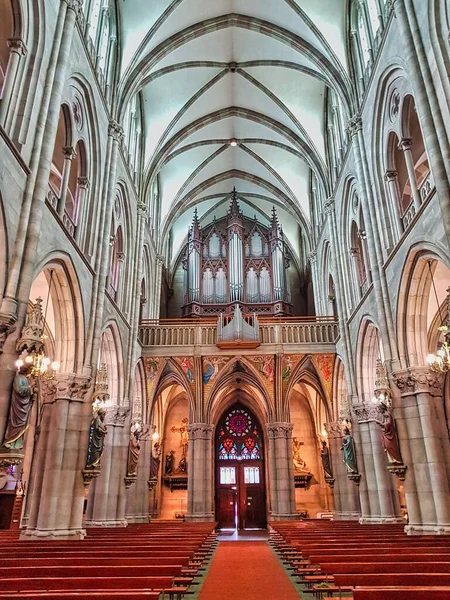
(39, 365)
(440, 362)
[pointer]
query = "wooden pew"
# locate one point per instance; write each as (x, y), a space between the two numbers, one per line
(402, 593)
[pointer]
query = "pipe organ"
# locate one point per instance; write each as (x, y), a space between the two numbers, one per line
(236, 261)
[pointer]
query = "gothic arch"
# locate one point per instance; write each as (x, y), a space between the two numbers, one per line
(111, 354)
(171, 374)
(369, 350)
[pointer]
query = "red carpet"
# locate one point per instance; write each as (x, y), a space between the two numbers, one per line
(246, 571)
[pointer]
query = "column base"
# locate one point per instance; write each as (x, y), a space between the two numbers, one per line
(137, 518)
(106, 523)
(285, 517)
(200, 518)
(53, 534)
(346, 516)
(427, 529)
(380, 520)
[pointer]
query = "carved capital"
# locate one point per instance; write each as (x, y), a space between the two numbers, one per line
(279, 430)
(72, 387)
(366, 413)
(16, 44)
(329, 206)
(115, 130)
(69, 152)
(354, 125)
(405, 144)
(160, 259)
(419, 380)
(75, 5)
(390, 176)
(121, 256)
(83, 182)
(116, 415)
(142, 209)
(334, 430)
(200, 431)
(312, 256)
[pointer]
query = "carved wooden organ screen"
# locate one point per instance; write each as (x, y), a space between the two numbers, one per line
(236, 261)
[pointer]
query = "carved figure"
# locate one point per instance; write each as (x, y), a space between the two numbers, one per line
(155, 460)
(97, 434)
(326, 460)
(134, 448)
(168, 469)
(299, 463)
(19, 411)
(184, 442)
(348, 452)
(390, 438)
(182, 465)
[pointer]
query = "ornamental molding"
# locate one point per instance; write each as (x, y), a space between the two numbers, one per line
(334, 430)
(280, 430)
(367, 413)
(65, 387)
(354, 125)
(200, 431)
(312, 256)
(419, 380)
(17, 45)
(74, 5)
(116, 415)
(329, 206)
(142, 208)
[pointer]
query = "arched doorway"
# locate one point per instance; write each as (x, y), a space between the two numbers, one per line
(240, 476)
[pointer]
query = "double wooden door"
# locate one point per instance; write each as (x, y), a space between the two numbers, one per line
(240, 498)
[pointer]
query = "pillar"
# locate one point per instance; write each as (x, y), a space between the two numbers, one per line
(17, 50)
(200, 473)
(281, 471)
(405, 145)
(81, 222)
(106, 502)
(425, 448)
(137, 502)
(56, 492)
(69, 154)
(391, 178)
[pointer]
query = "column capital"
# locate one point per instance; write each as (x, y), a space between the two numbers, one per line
(419, 380)
(160, 259)
(121, 256)
(333, 429)
(405, 143)
(116, 415)
(75, 5)
(200, 431)
(65, 386)
(367, 412)
(115, 130)
(312, 256)
(142, 208)
(17, 45)
(69, 152)
(390, 175)
(354, 125)
(83, 182)
(279, 430)
(329, 206)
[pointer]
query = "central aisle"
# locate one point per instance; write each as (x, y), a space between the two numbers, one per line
(247, 570)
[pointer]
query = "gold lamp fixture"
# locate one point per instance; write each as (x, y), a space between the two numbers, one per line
(440, 362)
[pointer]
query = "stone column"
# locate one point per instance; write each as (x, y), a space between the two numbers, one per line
(83, 186)
(106, 502)
(69, 154)
(345, 492)
(281, 471)
(56, 491)
(137, 504)
(405, 145)
(391, 178)
(312, 257)
(425, 448)
(17, 49)
(382, 491)
(200, 473)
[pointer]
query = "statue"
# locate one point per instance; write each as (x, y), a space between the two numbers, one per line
(97, 434)
(299, 463)
(184, 436)
(390, 438)
(326, 460)
(348, 452)
(168, 469)
(182, 466)
(155, 460)
(19, 411)
(134, 448)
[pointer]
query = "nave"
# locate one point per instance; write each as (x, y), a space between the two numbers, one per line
(176, 560)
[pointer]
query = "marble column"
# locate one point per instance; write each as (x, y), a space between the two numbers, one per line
(391, 178)
(200, 473)
(281, 472)
(81, 222)
(405, 145)
(17, 50)
(137, 501)
(56, 493)
(384, 502)
(318, 293)
(69, 154)
(106, 502)
(345, 492)
(425, 448)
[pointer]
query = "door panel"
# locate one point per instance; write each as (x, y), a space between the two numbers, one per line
(226, 508)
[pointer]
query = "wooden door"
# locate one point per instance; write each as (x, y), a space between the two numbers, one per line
(226, 508)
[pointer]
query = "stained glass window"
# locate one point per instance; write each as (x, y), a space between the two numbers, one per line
(238, 437)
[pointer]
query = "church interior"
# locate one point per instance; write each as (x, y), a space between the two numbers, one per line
(225, 299)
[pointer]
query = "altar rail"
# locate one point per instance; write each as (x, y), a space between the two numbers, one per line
(272, 330)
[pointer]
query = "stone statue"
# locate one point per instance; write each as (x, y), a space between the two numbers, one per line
(168, 469)
(134, 448)
(299, 463)
(326, 460)
(184, 436)
(97, 434)
(182, 466)
(155, 460)
(390, 438)
(19, 411)
(348, 452)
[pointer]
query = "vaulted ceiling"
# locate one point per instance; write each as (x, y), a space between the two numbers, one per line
(234, 96)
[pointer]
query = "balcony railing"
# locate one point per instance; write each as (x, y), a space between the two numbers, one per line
(276, 330)
(426, 187)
